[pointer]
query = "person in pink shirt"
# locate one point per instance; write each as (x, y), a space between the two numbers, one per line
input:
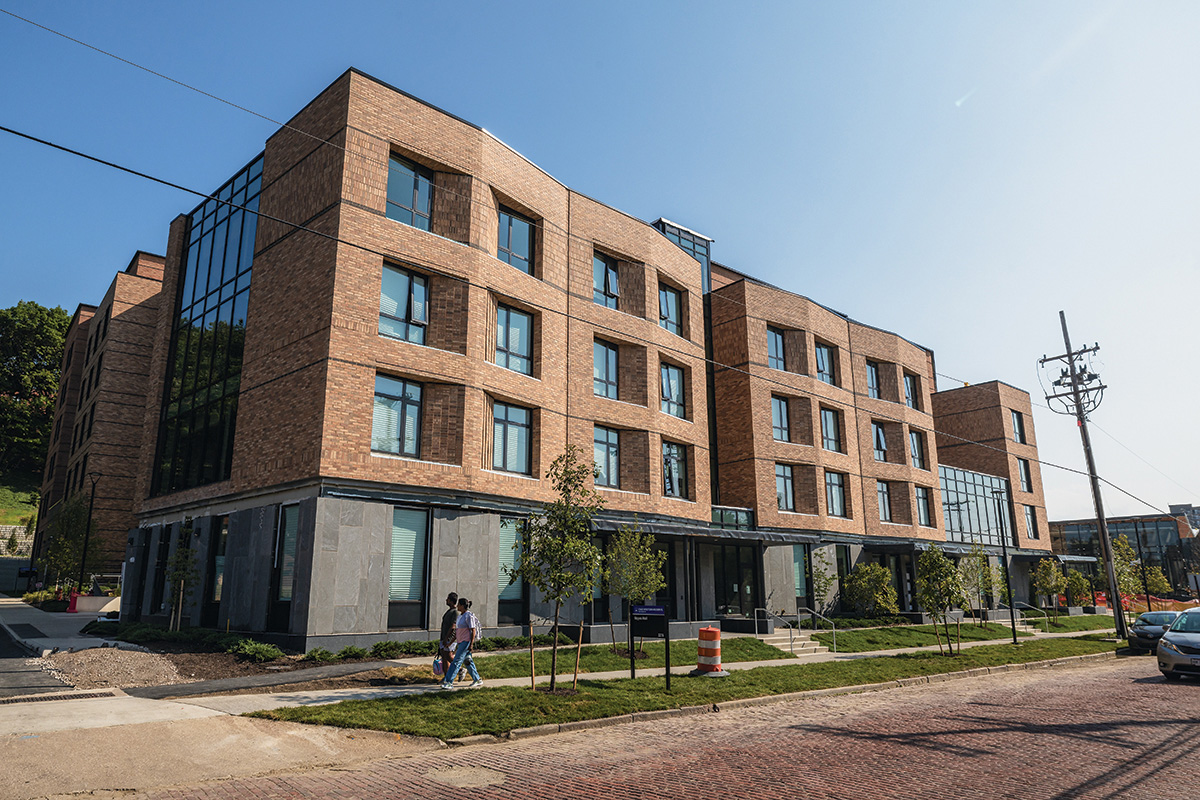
(466, 631)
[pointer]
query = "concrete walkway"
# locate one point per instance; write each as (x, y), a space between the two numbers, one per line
(41, 632)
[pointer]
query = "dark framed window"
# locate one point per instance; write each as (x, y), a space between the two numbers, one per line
(826, 364)
(831, 429)
(514, 339)
(779, 419)
(916, 441)
(515, 240)
(776, 354)
(670, 309)
(1031, 526)
(403, 305)
(835, 494)
(409, 193)
(912, 391)
(396, 418)
(604, 369)
(1018, 423)
(283, 579)
(785, 492)
(513, 606)
(873, 386)
(1024, 474)
(511, 427)
(606, 288)
(880, 437)
(675, 482)
(673, 399)
(924, 517)
(204, 365)
(408, 568)
(607, 453)
(883, 493)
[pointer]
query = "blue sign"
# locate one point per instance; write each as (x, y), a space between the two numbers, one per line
(652, 611)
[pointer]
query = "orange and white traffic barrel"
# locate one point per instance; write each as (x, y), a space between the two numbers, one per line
(708, 653)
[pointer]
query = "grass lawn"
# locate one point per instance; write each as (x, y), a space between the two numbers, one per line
(16, 498)
(862, 641)
(598, 658)
(1088, 622)
(448, 715)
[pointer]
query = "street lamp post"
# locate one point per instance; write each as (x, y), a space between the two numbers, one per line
(1012, 614)
(94, 477)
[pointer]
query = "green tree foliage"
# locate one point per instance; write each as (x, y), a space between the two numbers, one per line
(31, 350)
(1048, 580)
(183, 574)
(975, 572)
(869, 591)
(939, 589)
(64, 542)
(824, 576)
(1078, 587)
(557, 555)
(1001, 580)
(633, 569)
(1157, 580)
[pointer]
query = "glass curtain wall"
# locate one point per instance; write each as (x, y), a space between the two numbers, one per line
(969, 506)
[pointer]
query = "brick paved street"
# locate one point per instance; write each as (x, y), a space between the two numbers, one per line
(1109, 730)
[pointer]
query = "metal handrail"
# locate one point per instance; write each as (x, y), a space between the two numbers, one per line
(815, 614)
(791, 632)
(1045, 616)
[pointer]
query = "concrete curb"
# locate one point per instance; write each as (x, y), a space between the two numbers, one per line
(750, 702)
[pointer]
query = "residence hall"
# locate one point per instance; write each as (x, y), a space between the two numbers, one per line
(358, 394)
(1166, 541)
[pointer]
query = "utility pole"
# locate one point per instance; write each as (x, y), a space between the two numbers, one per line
(1078, 397)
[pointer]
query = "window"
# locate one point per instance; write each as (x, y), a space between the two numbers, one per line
(779, 419)
(674, 470)
(514, 339)
(775, 349)
(396, 421)
(604, 369)
(923, 515)
(669, 309)
(515, 241)
(403, 305)
(406, 574)
(880, 437)
(409, 193)
(1018, 422)
(873, 388)
(835, 494)
(1031, 526)
(831, 433)
(826, 366)
(673, 401)
(1023, 472)
(512, 589)
(605, 286)
(885, 501)
(510, 438)
(286, 540)
(784, 488)
(917, 441)
(606, 447)
(912, 391)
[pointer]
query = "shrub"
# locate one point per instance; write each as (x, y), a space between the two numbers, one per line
(350, 651)
(869, 589)
(319, 655)
(386, 650)
(250, 650)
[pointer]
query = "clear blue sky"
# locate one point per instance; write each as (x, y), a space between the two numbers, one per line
(955, 172)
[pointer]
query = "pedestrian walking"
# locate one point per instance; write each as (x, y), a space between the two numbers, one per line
(466, 631)
(446, 641)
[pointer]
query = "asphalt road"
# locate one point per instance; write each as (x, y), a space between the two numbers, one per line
(17, 676)
(1107, 730)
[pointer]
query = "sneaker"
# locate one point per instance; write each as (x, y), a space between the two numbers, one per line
(475, 684)
(446, 687)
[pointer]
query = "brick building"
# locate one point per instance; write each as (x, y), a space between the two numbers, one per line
(100, 410)
(357, 395)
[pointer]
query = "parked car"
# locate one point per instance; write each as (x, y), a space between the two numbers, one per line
(1179, 647)
(1148, 629)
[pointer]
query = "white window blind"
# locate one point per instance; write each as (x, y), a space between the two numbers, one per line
(510, 556)
(407, 579)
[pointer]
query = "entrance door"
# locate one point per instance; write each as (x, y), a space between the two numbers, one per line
(283, 572)
(736, 575)
(218, 534)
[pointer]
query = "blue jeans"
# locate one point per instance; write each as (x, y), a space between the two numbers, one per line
(462, 653)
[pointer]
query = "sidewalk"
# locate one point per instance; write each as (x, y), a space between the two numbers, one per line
(41, 632)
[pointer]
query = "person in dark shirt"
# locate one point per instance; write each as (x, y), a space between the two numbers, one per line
(449, 619)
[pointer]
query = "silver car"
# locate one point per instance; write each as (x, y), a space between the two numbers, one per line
(1179, 647)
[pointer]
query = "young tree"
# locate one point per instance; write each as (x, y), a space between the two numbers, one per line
(939, 589)
(1048, 580)
(633, 568)
(557, 555)
(975, 572)
(31, 349)
(1078, 587)
(823, 579)
(869, 590)
(64, 542)
(183, 573)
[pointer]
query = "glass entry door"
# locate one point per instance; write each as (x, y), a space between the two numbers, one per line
(738, 579)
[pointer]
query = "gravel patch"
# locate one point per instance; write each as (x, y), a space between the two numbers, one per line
(105, 667)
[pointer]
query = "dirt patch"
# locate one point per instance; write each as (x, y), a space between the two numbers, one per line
(388, 676)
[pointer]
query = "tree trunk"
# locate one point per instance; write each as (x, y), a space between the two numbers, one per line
(958, 635)
(612, 632)
(578, 652)
(554, 646)
(938, 636)
(532, 667)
